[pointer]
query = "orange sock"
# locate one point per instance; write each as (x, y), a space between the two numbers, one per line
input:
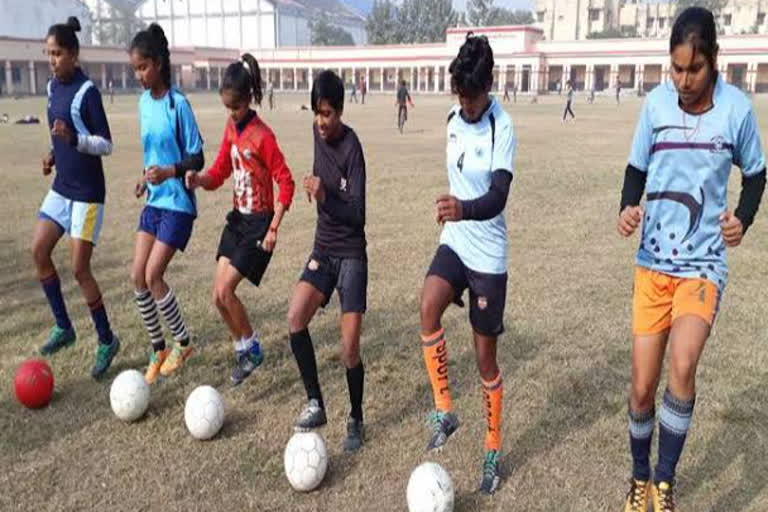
(493, 392)
(436, 359)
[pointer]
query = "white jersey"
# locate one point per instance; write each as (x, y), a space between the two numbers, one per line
(474, 151)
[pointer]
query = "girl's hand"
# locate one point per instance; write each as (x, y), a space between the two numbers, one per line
(314, 188)
(48, 164)
(62, 131)
(156, 174)
(733, 229)
(192, 180)
(141, 187)
(268, 244)
(629, 218)
(448, 209)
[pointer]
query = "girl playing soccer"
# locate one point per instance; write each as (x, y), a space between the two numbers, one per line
(691, 131)
(473, 245)
(338, 260)
(75, 203)
(250, 153)
(172, 146)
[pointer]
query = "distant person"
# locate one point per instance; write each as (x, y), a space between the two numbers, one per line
(568, 101)
(271, 96)
(514, 92)
(111, 89)
(618, 92)
(591, 98)
(353, 96)
(363, 90)
(506, 92)
(402, 101)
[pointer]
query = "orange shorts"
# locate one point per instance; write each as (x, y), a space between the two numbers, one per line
(659, 299)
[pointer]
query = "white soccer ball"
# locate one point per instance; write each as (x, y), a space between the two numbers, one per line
(306, 461)
(204, 412)
(430, 489)
(129, 395)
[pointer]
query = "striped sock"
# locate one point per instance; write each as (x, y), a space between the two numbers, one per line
(169, 307)
(100, 320)
(640, 436)
(52, 289)
(148, 311)
(493, 394)
(674, 422)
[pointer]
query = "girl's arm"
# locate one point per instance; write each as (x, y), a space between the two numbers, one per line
(281, 175)
(214, 177)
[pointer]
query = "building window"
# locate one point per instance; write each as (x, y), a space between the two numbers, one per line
(540, 16)
(15, 75)
(594, 14)
(650, 22)
(662, 21)
(761, 18)
(727, 20)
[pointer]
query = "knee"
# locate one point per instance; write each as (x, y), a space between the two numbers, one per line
(153, 277)
(223, 295)
(216, 298)
(643, 396)
(683, 372)
(137, 278)
(41, 255)
(82, 273)
(430, 315)
(296, 322)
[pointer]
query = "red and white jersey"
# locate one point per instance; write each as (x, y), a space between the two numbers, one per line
(254, 160)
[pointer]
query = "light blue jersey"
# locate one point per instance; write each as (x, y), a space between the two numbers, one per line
(688, 159)
(474, 151)
(168, 133)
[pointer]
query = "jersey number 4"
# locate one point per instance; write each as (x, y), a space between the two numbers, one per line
(460, 163)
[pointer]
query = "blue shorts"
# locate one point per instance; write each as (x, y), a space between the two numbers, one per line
(169, 226)
(80, 220)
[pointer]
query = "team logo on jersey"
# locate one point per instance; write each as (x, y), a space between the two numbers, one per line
(482, 302)
(343, 185)
(718, 144)
(313, 265)
(247, 154)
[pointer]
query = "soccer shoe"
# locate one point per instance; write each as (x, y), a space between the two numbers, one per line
(355, 435)
(247, 361)
(104, 356)
(663, 497)
(175, 359)
(443, 425)
(491, 473)
(156, 360)
(57, 339)
(637, 497)
(313, 416)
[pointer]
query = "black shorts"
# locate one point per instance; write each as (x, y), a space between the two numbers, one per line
(487, 292)
(241, 244)
(348, 275)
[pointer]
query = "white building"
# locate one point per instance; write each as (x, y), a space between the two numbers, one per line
(230, 23)
(576, 19)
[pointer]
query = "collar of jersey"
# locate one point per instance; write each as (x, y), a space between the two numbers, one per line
(77, 75)
(481, 116)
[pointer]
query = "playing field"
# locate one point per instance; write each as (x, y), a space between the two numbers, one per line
(565, 355)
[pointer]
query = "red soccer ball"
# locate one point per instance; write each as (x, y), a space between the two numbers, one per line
(34, 383)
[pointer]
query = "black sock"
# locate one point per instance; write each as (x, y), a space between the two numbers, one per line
(355, 382)
(304, 352)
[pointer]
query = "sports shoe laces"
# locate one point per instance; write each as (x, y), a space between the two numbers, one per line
(666, 497)
(636, 493)
(489, 466)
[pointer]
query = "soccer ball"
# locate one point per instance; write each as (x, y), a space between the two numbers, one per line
(430, 489)
(204, 412)
(306, 461)
(129, 395)
(33, 383)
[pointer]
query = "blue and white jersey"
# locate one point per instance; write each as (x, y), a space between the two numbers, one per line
(79, 172)
(474, 151)
(169, 133)
(688, 159)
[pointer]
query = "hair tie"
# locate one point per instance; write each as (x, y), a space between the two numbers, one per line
(247, 67)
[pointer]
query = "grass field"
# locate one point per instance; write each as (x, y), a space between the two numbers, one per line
(565, 355)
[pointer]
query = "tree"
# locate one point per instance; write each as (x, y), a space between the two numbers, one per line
(501, 16)
(119, 28)
(614, 33)
(325, 34)
(716, 6)
(381, 24)
(414, 21)
(479, 12)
